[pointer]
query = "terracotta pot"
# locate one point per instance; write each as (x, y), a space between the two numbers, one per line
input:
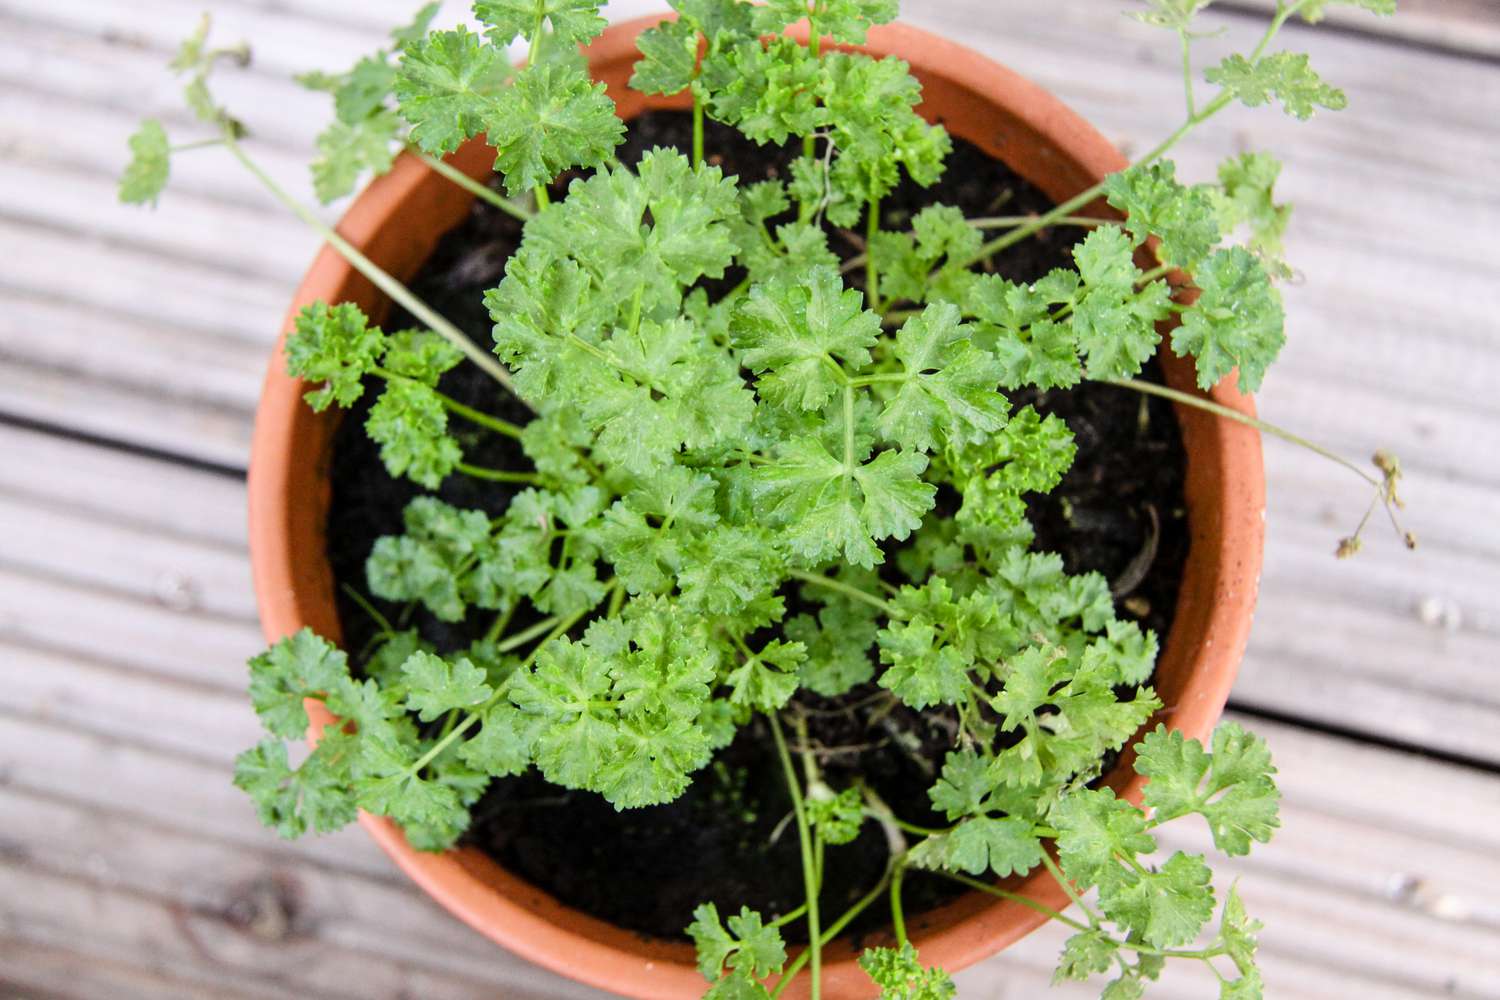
(398, 220)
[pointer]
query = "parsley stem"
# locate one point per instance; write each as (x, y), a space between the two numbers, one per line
(378, 277)
(1014, 897)
(472, 415)
(199, 144)
(847, 590)
(1007, 221)
(454, 406)
(497, 475)
(1067, 887)
(872, 272)
(369, 609)
(501, 622)
(1189, 399)
(697, 127)
(481, 191)
(804, 838)
(898, 918)
(1078, 201)
(788, 917)
(837, 927)
(526, 635)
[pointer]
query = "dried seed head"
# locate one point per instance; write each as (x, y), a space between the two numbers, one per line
(1348, 546)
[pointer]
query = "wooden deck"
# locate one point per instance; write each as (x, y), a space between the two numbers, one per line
(132, 345)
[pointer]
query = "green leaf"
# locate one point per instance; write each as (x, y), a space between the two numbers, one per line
(363, 91)
(1181, 217)
(794, 332)
(1167, 907)
(1093, 828)
(549, 120)
(435, 686)
(1313, 10)
(314, 796)
(432, 562)
(150, 161)
(1085, 954)
(1237, 933)
(669, 58)
(413, 31)
(748, 945)
(730, 568)
(1248, 182)
(838, 645)
(1233, 790)
(827, 507)
(303, 665)
(447, 85)
(837, 818)
(950, 392)
(1237, 320)
(1175, 15)
(334, 345)
(923, 671)
(985, 844)
(1114, 325)
(388, 785)
(1283, 76)
(572, 22)
(345, 152)
(767, 680)
(410, 424)
(505, 742)
(900, 975)
(846, 20)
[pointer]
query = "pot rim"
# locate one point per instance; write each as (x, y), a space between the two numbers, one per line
(1226, 499)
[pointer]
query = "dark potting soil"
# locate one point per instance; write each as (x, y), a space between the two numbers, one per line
(1119, 511)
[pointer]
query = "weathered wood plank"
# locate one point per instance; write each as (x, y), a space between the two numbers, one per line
(1463, 27)
(41, 972)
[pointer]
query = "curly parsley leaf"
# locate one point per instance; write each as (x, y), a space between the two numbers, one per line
(795, 332)
(827, 507)
(1282, 76)
(1313, 11)
(669, 58)
(837, 817)
(447, 85)
(901, 976)
(346, 152)
(301, 666)
(313, 796)
(1183, 218)
(150, 162)
(409, 423)
(572, 22)
(435, 686)
(1114, 324)
(950, 391)
(335, 345)
(1236, 321)
(1232, 789)
(550, 119)
(983, 844)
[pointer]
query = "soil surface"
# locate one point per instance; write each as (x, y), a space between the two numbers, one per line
(1119, 511)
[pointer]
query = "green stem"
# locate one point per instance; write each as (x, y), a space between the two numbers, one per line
(697, 128)
(1187, 71)
(526, 635)
(804, 837)
(836, 928)
(481, 191)
(369, 609)
(498, 475)
(1073, 204)
(1014, 897)
(898, 918)
(378, 277)
(839, 586)
(1067, 887)
(872, 273)
(1189, 399)
(501, 622)
(199, 144)
(454, 406)
(787, 918)
(1006, 221)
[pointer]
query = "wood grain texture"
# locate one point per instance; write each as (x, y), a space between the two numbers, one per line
(129, 867)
